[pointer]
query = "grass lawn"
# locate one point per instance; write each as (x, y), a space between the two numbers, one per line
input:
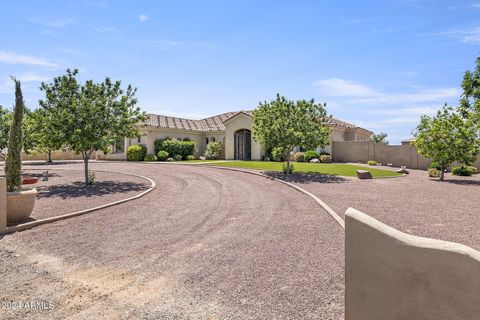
(337, 169)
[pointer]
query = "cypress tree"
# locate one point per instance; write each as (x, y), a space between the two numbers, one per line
(13, 162)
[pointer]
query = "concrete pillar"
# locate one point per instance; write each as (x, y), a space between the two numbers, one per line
(3, 204)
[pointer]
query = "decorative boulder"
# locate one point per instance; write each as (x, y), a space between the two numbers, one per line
(314, 160)
(170, 159)
(202, 158)
(266, 159)
(363, 174)
(403, 170)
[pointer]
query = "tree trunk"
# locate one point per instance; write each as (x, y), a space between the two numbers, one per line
(442, 173)
(86, 157)
(49, 156)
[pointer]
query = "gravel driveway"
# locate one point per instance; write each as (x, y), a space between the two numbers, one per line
(206, 244)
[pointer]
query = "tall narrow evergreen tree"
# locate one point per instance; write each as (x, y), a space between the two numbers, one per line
(13, 162)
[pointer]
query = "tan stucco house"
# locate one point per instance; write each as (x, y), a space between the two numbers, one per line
(233, 129)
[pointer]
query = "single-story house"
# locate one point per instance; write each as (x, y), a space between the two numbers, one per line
(233, 129)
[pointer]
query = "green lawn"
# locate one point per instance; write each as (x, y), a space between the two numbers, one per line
(337, 169)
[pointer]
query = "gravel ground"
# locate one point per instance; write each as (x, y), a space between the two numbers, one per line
(415, 204)
(64, 192)
(206, 244)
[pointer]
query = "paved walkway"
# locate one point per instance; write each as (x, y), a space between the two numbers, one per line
(205, 244)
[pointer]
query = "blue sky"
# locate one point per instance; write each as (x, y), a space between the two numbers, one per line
(379, 64)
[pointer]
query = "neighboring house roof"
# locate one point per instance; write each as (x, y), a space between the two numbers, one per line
(215, 123)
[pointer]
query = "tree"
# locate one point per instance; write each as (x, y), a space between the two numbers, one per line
(13, 161)
(470, 99)
(446, 138)
(286, 124)
(379, 138)
(44, 137)
(91, 116)
(5, 123)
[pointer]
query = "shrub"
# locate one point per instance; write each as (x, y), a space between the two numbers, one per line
(177, 157)
(299, 157)
(175, 146)
(473, 169)
(150, 157)
(190, 157)
(324, 158)
(277, 154)
(435, 165)
(137, 152)
(213, 150)
(311, 154)
(433, 172)
(285, 167)
(462, 171)
(372, 162)
(162, 155)
(91, 178)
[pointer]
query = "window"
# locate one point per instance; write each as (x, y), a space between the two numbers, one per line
(206, 140)
(139, 139)
(212, 139)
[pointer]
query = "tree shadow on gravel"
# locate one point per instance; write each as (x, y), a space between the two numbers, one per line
(460, 182)
(77, 189)
(305, 178)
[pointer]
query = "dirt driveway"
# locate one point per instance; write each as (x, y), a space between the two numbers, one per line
(206, 244)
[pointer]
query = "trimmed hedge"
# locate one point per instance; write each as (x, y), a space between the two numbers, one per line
(175, 147)
(310, 154)
(299, 157)
(150, 157)
(137, 152)
(463, 171)
(190, 157)
(372, 162)
(324, 158)
(162, 155)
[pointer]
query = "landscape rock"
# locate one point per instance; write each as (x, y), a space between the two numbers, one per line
(170, 159)
(405, 171)
(202, 158)
(363, 174)
(315, 160)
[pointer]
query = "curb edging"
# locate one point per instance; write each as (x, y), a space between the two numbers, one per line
(31, 224)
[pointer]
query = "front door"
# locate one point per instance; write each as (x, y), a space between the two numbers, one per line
(243, 145)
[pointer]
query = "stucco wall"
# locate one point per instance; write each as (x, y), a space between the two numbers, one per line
(3, 204)
(56, 155)
(362, 151)
(240, 121)
(393, 275)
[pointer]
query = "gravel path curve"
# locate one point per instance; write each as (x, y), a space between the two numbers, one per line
(205, 244)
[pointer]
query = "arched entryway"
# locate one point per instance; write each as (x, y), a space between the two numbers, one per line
(243, 145)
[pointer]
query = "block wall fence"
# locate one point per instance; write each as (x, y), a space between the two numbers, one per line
(397, 155)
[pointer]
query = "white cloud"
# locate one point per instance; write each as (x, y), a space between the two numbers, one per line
(32, 77)
(13, 58)
(358, 93)
(143, 17)
(469, 36)
(344, 88)
(58, 23)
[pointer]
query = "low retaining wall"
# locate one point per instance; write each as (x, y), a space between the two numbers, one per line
(3, 205)
(393, 275)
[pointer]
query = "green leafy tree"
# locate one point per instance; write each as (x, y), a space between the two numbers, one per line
(470, 100)
(446, 138)
(92, 116)
(286, 124)
(43, 135)
(13, 161)
(379, 138)
(5, 123)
